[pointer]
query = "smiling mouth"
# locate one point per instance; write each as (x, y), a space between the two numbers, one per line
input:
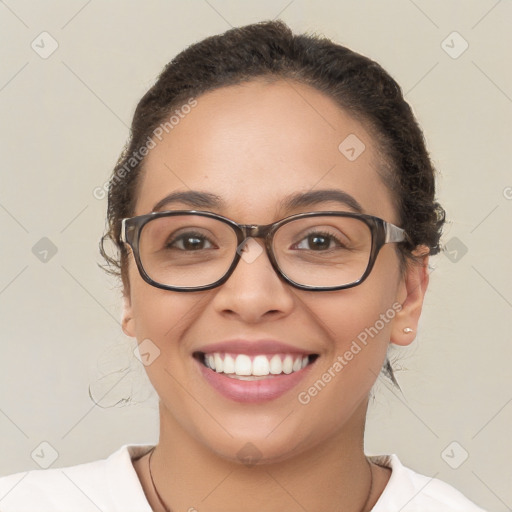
(254, 367)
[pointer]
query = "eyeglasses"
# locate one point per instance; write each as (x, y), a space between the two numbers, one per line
(190, 250)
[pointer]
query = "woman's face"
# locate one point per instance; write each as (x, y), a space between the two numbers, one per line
(253, 145)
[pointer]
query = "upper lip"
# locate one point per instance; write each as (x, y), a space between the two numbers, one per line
(253, 347)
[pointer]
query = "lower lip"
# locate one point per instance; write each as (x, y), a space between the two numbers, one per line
(253, 391)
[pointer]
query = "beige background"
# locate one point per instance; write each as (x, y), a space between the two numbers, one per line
(64, 120)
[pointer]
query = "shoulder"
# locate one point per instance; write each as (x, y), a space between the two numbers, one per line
(103, 484)
(409, 491)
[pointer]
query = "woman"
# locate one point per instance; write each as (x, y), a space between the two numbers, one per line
(274, 212)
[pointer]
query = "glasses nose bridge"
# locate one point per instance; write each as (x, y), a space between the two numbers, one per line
(256, 230)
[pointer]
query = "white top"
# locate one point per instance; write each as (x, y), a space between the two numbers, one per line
(112, 485)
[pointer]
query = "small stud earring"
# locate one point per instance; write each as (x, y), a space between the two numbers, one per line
(407, 330)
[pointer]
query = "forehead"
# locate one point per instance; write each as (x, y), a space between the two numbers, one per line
(254, 144)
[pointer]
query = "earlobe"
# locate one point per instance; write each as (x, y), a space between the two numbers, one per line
(127, 320)
(411, 294)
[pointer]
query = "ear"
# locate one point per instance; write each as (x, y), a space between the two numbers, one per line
(411, 293)
(127, 319)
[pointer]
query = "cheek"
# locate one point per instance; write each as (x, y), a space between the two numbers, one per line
(159, 314)
(162, 319)
(358, 322)
(360, 332)
(357, 313)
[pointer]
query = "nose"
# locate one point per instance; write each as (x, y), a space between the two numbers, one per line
(254, 290)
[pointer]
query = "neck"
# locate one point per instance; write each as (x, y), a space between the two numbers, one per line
(332, 476)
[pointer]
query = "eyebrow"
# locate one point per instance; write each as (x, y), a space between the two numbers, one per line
(197, 199)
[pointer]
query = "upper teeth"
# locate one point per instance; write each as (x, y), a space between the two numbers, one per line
(259, 365)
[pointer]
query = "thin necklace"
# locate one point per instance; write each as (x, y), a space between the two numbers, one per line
(167, 509)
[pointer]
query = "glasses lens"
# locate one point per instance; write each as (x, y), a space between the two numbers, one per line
(186, 250)
(323, 251)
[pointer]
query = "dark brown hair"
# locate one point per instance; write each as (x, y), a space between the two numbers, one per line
(269, 50)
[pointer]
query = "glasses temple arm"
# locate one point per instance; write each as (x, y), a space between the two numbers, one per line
(122, 235)
(394, 233)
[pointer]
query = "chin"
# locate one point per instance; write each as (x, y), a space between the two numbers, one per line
(252, 446)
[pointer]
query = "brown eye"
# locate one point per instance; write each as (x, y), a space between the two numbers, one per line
(318, 240)
(189, 241)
